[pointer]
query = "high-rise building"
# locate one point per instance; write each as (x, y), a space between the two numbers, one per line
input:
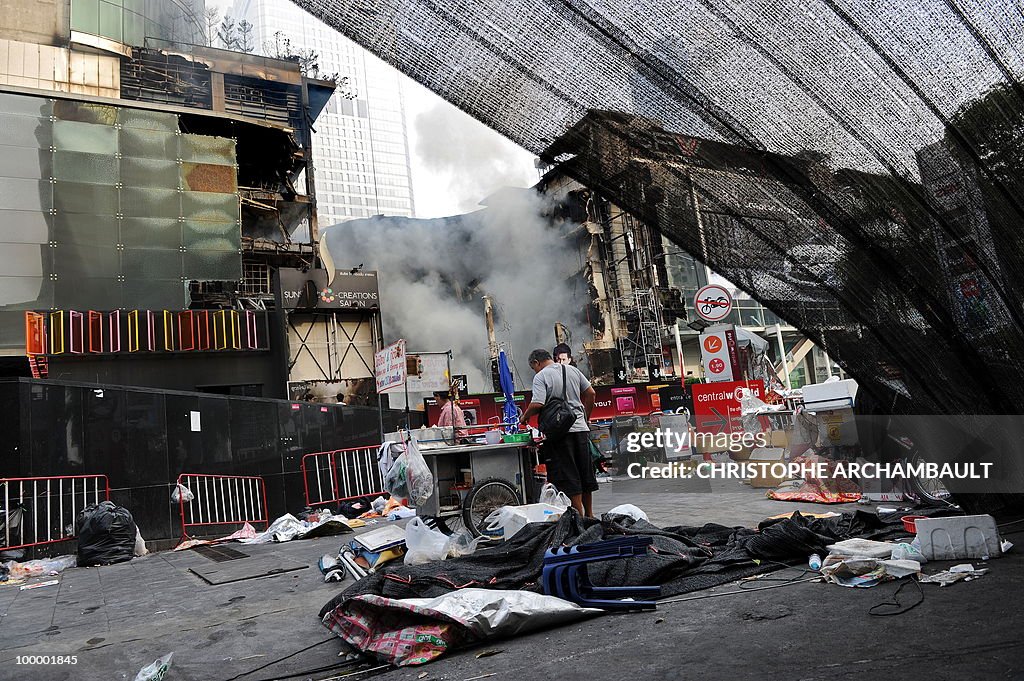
(362, 149)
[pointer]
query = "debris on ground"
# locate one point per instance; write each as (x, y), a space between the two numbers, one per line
(411, 614)
(37, 568)
(156, 670)
(415, 631)
(965, 572)
(106, 534)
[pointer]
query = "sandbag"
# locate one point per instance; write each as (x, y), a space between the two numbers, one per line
(106, 534)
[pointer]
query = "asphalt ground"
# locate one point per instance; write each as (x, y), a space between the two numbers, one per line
(116, 619)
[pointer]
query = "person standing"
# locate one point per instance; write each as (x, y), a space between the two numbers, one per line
(451, 414)
(562, 354)
(568, 458)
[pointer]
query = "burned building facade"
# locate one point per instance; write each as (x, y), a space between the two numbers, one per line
(151, 191)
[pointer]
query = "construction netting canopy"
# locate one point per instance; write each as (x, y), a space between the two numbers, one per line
(855, 165)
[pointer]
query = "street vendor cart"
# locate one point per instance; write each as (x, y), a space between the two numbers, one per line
(472, 480)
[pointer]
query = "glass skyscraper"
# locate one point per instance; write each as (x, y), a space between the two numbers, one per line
(360, 149)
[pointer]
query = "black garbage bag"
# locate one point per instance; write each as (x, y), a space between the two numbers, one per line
(106, 534)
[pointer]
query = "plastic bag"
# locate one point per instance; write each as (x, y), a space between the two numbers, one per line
(634, 512)
(462, 543)
(106, 534)
(422, 544)
(43, 566)
(418, 476)
(181, 493)
(155, 671)
(549, 494)
(396, 481)
(140, 543)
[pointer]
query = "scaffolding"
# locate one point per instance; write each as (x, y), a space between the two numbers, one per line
(631, 281)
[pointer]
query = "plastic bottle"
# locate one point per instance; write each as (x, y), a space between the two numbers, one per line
(814, 562)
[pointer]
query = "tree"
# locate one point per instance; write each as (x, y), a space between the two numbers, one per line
(244, 41)
(211, 16)
(306, 58)
(226, 33)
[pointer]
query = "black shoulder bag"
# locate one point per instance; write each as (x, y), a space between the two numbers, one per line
(556, 416)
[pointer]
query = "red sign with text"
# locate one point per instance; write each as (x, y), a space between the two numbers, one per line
(716, 406)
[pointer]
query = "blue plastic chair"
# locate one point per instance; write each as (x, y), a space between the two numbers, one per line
(565, 575)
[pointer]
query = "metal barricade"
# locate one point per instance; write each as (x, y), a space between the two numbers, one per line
(341, 474)
(222, 500)
(42, 510)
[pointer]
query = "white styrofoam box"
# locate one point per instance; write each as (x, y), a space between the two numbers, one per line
(957, 537)
(506, 521)
(830, 395)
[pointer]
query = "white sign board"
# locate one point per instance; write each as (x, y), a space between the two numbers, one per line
(713, 303)
(389, 367)
(434, 375)
(714, 354)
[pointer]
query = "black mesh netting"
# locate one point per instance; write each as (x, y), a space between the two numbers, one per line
(855, 166)
(681, 559)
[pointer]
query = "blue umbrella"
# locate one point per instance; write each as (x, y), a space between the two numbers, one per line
(507, 387)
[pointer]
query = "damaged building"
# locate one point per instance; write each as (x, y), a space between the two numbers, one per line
(152, 190)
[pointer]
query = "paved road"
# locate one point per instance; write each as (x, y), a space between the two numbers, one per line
(118, 618)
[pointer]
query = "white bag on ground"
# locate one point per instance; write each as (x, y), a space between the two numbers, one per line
(155, 671)
(549, 494)
(462, 543)
(634, 512)
(140, 543)
(422, 544)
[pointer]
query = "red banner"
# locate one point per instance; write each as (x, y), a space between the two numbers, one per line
(716, 406)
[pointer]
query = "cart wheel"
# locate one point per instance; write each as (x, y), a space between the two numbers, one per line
(449, 524)
(484, 498)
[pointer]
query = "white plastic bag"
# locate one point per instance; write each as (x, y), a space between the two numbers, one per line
(549, 494)
(462, 543)
(422, 544)
(181, 493)
(155, 671)
(140, 543)
(634, 512)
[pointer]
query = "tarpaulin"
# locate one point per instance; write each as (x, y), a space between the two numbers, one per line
(827, 490)
(417, 630)
(681, 559)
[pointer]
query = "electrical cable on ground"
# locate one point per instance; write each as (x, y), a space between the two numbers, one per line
(739, 591)
(282, 659)
(895, 602)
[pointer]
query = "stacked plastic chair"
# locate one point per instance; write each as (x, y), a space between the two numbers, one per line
(565, 575)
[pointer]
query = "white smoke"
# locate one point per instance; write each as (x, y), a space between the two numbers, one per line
(458, 160)
(507, 250)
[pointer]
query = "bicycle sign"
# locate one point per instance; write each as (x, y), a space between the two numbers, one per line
(712, 303)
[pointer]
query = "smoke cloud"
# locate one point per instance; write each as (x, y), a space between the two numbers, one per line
(462, 161)
(433, 274)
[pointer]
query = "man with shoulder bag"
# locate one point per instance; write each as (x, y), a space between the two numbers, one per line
(564, 398)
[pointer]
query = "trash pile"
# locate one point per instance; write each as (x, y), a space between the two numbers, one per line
(865, 563)
(404, 612)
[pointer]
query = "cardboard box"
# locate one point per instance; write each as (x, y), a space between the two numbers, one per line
(742, 455)
(778, 438)
(763, 458)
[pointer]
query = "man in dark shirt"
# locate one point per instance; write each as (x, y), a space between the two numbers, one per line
(568, 459)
